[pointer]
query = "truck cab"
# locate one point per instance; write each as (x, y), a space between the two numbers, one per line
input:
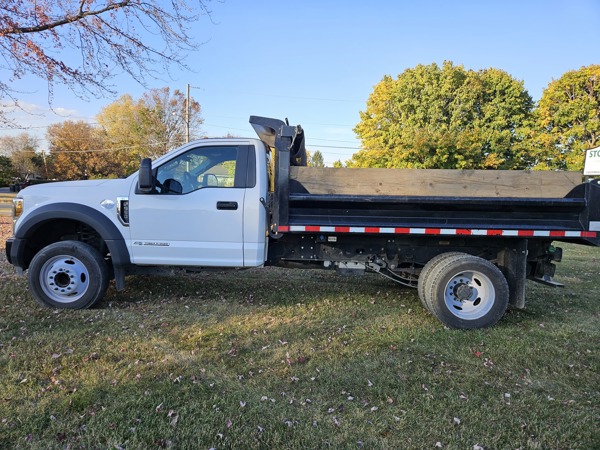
(201, 207)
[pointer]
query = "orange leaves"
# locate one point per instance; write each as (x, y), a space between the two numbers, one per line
(108, 37)
(73, 149)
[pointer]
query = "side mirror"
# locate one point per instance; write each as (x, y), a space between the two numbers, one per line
(145, 179)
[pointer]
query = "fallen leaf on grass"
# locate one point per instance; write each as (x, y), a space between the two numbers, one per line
(174, 417)
(91, 357)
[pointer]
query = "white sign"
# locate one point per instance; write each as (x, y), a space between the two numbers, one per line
(592, 162)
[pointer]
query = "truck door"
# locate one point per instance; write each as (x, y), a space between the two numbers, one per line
(194, 215)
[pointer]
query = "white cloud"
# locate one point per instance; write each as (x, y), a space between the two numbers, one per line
(65, 112)
(30, 117)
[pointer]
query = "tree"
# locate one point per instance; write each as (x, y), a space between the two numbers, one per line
(166, 116)
(134, 37)
(316, 159)
(445, 117)
(7, 171)
(568, 119)
(124, 133)
(22, 151)
(148, 127)
(76, 151)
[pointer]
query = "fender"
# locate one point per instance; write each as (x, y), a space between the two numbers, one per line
(107, 230)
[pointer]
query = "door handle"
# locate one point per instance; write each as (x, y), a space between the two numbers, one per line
(227, 206)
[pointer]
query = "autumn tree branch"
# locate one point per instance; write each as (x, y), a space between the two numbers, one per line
(142, 38)
(66, 20)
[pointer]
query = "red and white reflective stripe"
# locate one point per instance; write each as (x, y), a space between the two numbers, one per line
(438, 231)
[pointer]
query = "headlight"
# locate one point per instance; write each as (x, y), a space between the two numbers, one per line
(17, 207)
(17, 210)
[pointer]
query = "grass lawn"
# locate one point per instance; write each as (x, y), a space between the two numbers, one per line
(298, 359)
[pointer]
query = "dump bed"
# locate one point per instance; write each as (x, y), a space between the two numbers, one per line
(549, 205)
(566, 219)
(497, 202)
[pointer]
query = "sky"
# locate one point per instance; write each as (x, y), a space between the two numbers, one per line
(316, 62)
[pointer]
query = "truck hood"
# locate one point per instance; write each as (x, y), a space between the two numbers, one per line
(66, 186)
(87, 192)
(71, 184)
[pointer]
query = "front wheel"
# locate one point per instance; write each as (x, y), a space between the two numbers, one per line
(465, 291)
(68, 274)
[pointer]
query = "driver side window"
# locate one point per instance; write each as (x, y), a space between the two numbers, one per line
(202, 167)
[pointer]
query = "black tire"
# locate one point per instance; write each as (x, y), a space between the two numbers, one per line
(68, 274)
(466, 292)
(426, 271)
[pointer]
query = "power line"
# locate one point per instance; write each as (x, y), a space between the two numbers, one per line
(24, 128)
(338, 146)
(331, 140)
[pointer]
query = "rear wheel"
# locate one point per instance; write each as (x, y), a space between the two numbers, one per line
(465, 291)
(68, 274)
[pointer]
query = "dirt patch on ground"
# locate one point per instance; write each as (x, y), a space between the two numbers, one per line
(5, 233)
(5, 228)
(6, 270)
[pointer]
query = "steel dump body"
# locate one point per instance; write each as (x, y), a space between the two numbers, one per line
(304, 203)
(558, 218)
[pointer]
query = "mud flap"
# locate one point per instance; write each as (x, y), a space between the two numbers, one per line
(513, 264)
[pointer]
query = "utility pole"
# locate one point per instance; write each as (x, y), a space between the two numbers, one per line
(187, 114)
